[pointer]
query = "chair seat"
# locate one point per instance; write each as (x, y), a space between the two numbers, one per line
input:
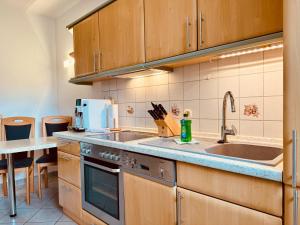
(23, 163)
(46, 159)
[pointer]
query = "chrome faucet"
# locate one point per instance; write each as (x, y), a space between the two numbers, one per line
(224, 130)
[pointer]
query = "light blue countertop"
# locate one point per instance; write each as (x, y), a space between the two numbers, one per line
(235, 166)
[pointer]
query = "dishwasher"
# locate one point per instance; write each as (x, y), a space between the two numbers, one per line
(149, 189)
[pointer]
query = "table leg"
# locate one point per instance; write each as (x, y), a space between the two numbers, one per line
(11, 185)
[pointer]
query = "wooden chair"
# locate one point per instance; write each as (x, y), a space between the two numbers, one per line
(15, 128)
(50, 124)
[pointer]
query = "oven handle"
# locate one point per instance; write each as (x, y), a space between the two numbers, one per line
(102, 167)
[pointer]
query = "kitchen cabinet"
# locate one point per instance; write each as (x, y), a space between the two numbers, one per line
(69, 147)
(199, 209)
(170, 28)
(69, 168)
(70, 200)
(225, 21)
(259, 194)
(291, 156)
(121, 26)
(86, 46)
(89, 219)
(148, 202)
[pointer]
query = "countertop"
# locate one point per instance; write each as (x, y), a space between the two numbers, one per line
(246, 168)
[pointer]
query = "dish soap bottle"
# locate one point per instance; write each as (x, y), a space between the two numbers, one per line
(186, 128)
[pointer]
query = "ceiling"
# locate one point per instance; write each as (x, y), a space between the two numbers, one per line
(50, 8)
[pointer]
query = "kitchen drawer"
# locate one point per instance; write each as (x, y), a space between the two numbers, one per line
(70, 147)
(89, 219)
(69, 168)
(70, 199)
(255, 193)
(199, 209)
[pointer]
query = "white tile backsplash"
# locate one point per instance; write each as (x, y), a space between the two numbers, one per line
(256, 81)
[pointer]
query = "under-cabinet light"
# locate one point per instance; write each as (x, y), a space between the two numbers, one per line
(252, 50)
(145, 73)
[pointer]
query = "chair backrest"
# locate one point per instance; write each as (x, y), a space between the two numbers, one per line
(16, 128)
(52, 124)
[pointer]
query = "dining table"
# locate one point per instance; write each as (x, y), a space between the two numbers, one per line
(9, 148)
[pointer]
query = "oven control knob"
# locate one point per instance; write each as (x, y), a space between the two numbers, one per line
(88, 151)
(106, 155)
(116, 157)
(101, 154)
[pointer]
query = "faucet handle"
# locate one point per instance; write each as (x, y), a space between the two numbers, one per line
(234, 129)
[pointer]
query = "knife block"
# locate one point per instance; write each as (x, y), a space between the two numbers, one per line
(167, 127)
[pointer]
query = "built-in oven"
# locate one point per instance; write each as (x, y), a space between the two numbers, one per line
(102, 183)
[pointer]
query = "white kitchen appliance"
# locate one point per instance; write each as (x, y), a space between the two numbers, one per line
(98, 114)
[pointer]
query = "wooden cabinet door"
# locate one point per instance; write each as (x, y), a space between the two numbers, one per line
(69, 168)
(226, 21)
(121, 27)
(86, 46)
(288, 206)
(89, 219)
(148, 202)
(170, 28)
(291, 112)
(70, 198)
(198, 209)
(70, 147)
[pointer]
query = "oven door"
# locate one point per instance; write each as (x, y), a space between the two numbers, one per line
(102, 190)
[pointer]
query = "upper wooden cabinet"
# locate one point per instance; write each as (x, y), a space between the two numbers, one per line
(225, 21)
(121, 27)
(86, 46)
(170, 28)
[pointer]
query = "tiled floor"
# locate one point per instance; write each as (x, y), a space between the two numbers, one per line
(39, 212)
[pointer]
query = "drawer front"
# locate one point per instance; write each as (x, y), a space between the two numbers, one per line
(260, 194)
(70, 147)
(70, 198)
(198, 209)
(69, 168)
(89, 219)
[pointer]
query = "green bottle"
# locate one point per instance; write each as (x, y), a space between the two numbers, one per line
(186, 128)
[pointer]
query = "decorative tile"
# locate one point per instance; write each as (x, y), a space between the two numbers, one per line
(251, 108)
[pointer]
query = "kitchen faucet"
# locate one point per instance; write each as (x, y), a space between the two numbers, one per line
(224, 130)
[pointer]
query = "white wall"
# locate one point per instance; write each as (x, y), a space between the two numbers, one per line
(64, 41)
(27, 64)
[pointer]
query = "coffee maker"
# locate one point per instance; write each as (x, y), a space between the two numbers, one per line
(78, 116)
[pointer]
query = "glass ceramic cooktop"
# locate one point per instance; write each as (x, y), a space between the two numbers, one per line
(124, 136)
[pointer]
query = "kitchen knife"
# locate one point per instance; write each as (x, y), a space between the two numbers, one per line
(161, 108)
(158, 115)
(157, 111)
(153, 114)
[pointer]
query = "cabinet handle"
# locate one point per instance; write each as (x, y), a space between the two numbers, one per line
(179, 198)
(294, 179)
(200, 28)
(100, 61)
(188, 35)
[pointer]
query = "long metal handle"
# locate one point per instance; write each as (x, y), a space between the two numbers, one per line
(200, 29)
(102, 167)
(294, 179)
(94, 55)
(294, 167)
(179, 198)
(188, 36)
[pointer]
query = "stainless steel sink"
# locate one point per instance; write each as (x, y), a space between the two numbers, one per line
(253, 153)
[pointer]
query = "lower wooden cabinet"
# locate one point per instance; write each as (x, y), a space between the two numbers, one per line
(70, 200)
(88, 219)
(69, 168)
(198, 209)
(148, 202)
